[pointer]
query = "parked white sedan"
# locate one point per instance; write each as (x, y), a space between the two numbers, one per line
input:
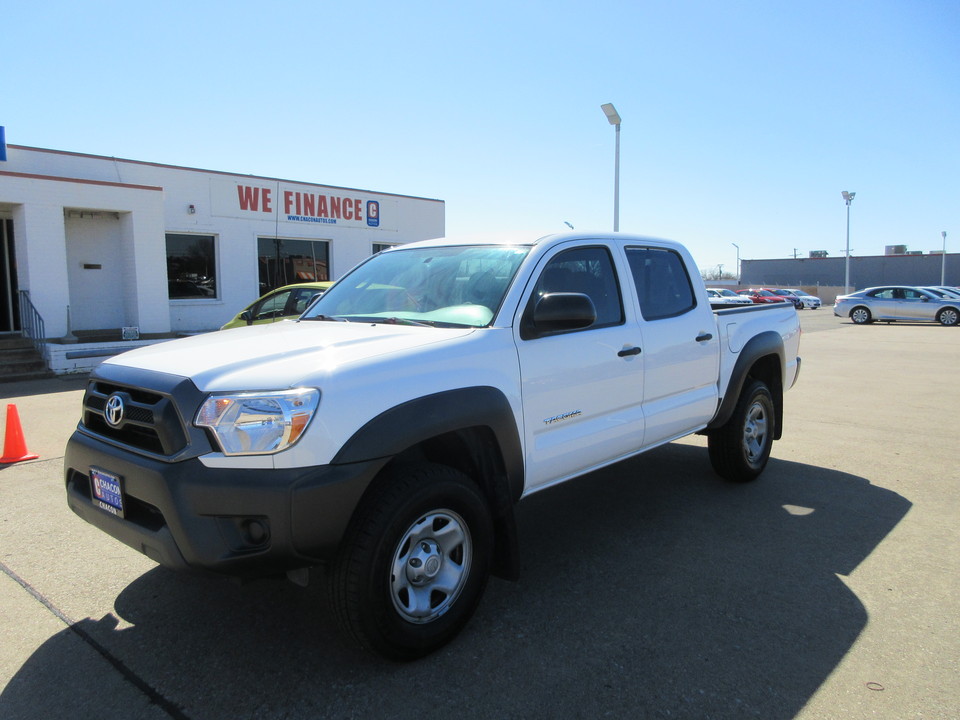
(724, 296)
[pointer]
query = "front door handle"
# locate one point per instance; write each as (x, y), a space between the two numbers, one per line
(703, 337)
(627, 352)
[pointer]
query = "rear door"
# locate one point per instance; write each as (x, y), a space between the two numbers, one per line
(681, 348)
(885, 303)
(582, 389)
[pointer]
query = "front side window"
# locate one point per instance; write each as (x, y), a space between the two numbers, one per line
(272, 306)
(283, 303)
(191, 266)
(587, 270)
(663, 286)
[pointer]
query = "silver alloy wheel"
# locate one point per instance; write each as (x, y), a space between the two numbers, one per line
(430, 566)
(755, 432)
(948, 316)
(860, 315)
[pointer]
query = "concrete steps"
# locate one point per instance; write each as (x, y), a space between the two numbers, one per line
(20, 361)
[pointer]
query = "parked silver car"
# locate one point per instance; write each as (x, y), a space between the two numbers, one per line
(942, 291)
(897, 302)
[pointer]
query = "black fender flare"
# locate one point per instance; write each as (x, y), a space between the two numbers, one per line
(766, 344)
(415, 421)
(419, 420)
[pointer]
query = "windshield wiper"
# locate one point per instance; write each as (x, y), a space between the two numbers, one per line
(407, 321)
(329, 318)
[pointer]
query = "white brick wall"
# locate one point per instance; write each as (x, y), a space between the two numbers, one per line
(138, 203)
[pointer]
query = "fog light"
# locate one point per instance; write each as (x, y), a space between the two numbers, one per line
(255, 532)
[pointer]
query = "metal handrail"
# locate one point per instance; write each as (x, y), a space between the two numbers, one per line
(31, 323)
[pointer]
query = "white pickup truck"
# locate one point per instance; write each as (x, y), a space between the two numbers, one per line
(389, 432)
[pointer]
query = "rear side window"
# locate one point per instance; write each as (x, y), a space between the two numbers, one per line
(663, 286)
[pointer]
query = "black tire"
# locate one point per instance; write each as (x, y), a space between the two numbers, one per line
(740, 449)
(948, 317)
(414, 561)
(861, 316)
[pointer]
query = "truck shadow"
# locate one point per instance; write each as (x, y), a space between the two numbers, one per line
(649, 589)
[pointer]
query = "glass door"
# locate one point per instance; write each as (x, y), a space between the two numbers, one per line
(9, 312)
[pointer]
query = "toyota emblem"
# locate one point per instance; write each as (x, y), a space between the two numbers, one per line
(114, 410)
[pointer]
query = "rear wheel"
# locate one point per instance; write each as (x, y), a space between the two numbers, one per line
(414, 562)
(740, 449)
(948, 316)
(860, 315)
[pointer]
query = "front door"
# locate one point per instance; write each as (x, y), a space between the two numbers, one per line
(582, 389)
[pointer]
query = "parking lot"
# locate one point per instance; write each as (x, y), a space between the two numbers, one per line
(829, 588)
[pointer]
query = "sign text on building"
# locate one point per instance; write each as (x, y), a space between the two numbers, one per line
(293, 203)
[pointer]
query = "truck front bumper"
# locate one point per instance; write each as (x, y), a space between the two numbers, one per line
(242, 523)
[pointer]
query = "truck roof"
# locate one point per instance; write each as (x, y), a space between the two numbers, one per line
(526, 238)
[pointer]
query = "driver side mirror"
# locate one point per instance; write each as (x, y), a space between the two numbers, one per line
(560, 312)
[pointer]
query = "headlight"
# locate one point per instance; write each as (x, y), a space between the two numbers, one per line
(258, 423)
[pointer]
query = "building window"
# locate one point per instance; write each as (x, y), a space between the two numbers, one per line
(380, 247)
(284, 261)
(191, 266)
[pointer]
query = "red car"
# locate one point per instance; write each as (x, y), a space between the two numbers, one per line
(759, 295)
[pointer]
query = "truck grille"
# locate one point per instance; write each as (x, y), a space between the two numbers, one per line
(149, 421)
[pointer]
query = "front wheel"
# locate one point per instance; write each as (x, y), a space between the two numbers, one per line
(414, 563)
(948, 316)
(739, 450)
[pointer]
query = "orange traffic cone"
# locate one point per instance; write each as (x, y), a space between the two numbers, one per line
(14, 448)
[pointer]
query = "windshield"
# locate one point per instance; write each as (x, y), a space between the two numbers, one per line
(458, 286)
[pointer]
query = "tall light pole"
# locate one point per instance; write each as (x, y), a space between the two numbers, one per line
(611, 112)
(738, 261)
(847, 198)
(943, 259)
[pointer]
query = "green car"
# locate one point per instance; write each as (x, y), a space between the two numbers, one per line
(284, 303)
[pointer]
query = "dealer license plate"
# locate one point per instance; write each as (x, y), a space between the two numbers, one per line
(107, 491)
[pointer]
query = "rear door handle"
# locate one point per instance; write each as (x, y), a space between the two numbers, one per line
(703, 337)
(627, 352)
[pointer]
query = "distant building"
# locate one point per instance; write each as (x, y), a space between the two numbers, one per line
(865, 272)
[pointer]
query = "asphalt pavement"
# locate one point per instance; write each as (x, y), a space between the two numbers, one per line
(829, 588)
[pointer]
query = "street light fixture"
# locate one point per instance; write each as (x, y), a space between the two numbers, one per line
(614, 118)
(847, 198)
(738, 261)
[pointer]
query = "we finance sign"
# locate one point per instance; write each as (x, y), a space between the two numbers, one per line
(286, 202)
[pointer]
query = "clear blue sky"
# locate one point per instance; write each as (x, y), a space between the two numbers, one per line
(742, 121)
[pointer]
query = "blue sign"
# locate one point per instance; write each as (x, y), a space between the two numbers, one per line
(3, 144)
(373, 213)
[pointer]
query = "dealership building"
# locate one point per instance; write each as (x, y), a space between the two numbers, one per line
(106, 248)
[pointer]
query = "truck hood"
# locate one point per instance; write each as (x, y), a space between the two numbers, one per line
(283, 354)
